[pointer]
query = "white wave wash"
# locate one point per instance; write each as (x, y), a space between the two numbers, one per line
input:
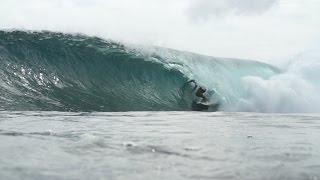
(294, 91)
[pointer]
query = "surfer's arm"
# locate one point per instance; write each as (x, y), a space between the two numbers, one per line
(195, 84)
(192, 80)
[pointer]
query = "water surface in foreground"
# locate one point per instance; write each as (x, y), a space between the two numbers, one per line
(159, 145)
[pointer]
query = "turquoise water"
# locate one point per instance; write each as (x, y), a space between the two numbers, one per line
(159, 145)
(69, 72)
(80, 107)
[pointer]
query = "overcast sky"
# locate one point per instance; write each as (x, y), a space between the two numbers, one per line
(266, 30)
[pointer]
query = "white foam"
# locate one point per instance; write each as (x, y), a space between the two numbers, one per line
(294, 91)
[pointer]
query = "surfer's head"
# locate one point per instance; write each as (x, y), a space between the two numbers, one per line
(200, 92)
(202, 89)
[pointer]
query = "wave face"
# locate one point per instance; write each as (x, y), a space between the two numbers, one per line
(63, 72)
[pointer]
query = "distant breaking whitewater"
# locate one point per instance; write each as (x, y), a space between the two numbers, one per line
(49, 71)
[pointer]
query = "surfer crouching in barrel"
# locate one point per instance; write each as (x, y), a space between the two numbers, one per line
(200, 101)
(199, 92)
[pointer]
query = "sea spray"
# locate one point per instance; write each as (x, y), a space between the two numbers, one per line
(296, 90)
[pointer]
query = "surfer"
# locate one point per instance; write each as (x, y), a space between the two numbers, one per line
(199, 91)
(200, 100)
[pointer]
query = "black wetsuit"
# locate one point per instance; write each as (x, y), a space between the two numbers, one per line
(198, 97)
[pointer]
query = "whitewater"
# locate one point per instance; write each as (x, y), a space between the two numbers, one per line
(81, 107)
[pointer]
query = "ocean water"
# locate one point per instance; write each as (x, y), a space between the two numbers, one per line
(159, 145)
(45, 71)
(79, 107)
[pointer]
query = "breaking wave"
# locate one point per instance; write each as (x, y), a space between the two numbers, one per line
(68, 72)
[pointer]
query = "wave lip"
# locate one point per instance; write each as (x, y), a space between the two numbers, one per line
(63, 72)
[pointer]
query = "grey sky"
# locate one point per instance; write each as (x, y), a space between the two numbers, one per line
(266, 30)
(204, 9)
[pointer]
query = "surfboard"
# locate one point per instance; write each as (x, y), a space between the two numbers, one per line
(199, 106)
(204, 106)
